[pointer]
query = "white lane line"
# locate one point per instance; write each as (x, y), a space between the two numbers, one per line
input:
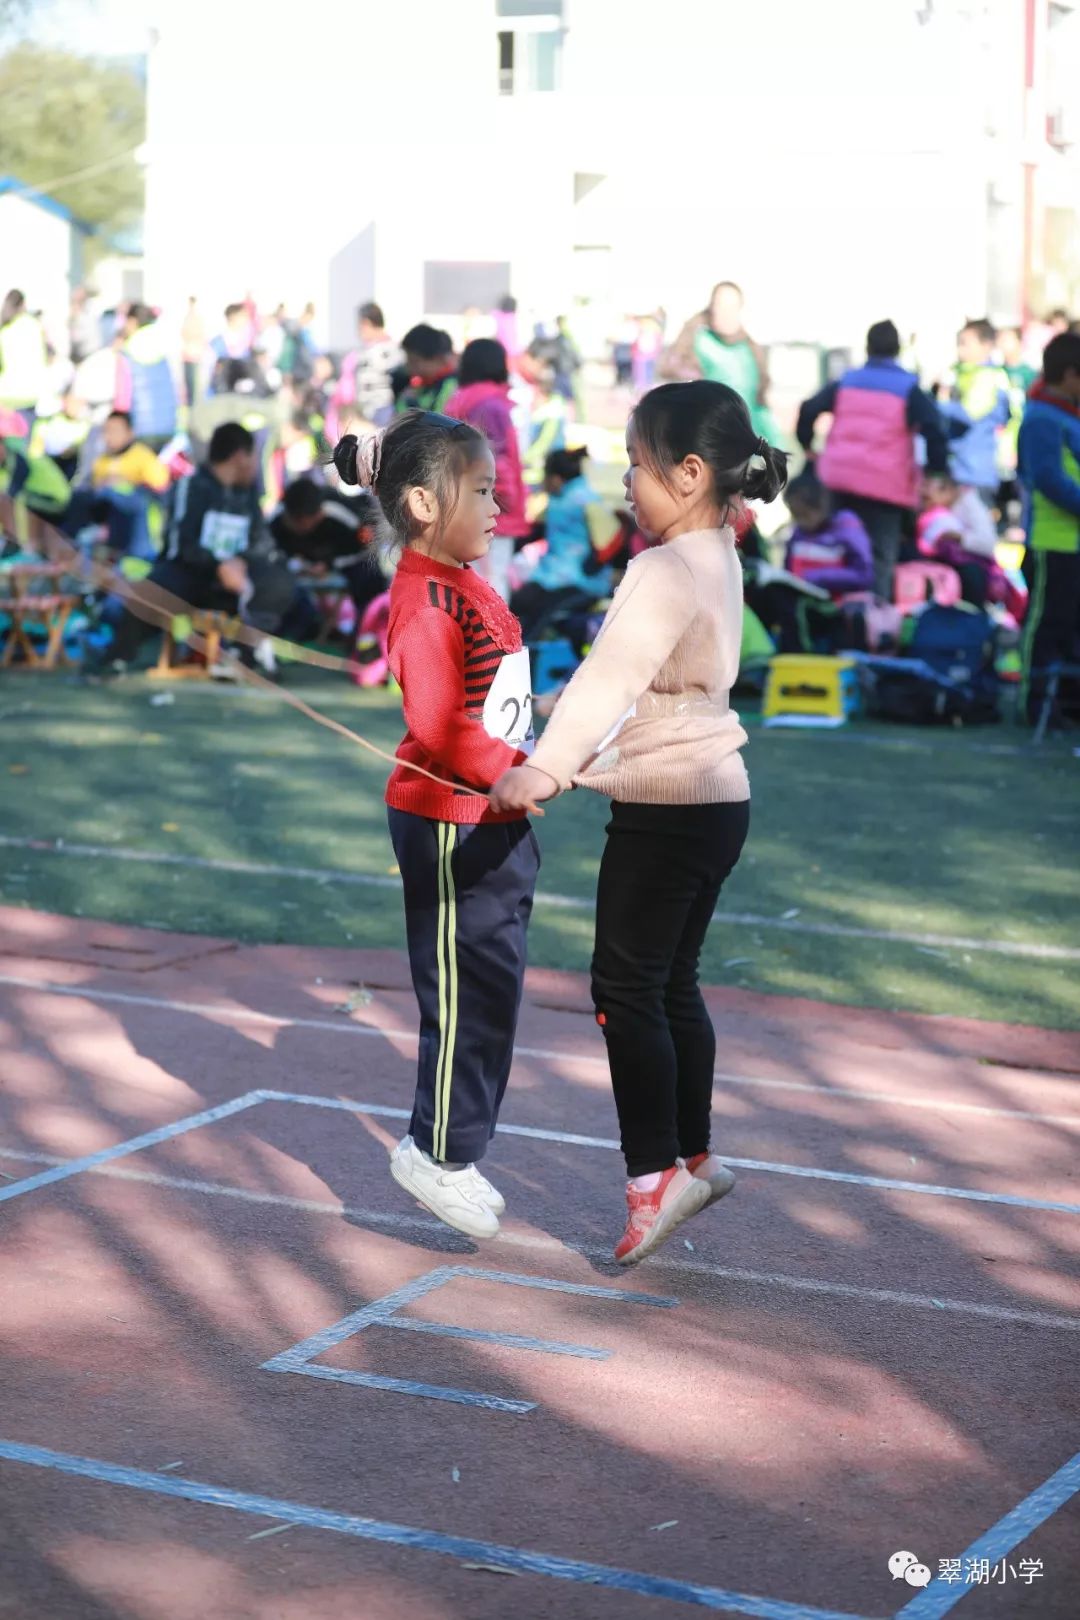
(345, 1026)
(540, 1244)
(743, 919)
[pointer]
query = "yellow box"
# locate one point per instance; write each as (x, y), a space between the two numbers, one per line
(816, 689)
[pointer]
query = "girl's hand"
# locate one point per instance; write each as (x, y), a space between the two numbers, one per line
(520, 788)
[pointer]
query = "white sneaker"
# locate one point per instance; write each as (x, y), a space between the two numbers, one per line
(490, 1195)
(265, 658)
(453, 1195)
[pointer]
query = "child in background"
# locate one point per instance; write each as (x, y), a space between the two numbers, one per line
(957, 528)
(648, 346)
(298, 445)
(1050, 477)
(829, 555)
(1021, 375)
(126, 464)
(430, 373)
(144, 379)
(646, 721)
(622, 351)
(23, 359)
(579, 530)
(977, 409)
(829, 548)
(316, 395)
(363, 391)
(63, 435)
(482, 399)
(124, 480)
(468, 871)
(33, 481)
(547, 427)
(967, 517)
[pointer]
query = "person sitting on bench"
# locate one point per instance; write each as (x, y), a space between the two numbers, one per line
(218, 554)
(124, 480)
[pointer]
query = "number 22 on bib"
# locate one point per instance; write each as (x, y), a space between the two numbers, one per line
(508, 705)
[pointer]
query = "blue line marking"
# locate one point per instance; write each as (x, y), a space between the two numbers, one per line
(327, 1338)
(150, 1139)
(384, 1313)
(1000, 1540)
(591, 1290)
(408, 1386)
(509, 1341)
(379, 1109)
(403, 1535)
(849, 1178)
(888, 1182)
(564, 1138)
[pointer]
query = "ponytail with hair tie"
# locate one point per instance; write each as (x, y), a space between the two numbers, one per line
(709, 420)
(357, 460)
(416, 449)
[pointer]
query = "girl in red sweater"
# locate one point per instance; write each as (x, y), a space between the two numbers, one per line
(468, 871)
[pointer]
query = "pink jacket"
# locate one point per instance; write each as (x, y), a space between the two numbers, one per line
(870, 451)
(486, 405)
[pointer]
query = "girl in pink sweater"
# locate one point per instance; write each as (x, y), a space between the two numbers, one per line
(647, 721)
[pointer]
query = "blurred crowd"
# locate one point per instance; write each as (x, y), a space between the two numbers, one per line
(195, 448)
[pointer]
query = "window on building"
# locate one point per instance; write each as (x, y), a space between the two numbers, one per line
(584, 184)
(506, 64)
(592, 271)
(530, 39)
(1063, 62)
(454, 285)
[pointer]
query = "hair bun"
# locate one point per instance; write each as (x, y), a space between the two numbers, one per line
(368, 459)
(345, 458)
(766, 473)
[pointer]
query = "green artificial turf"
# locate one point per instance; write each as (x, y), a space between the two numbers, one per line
(896, 830)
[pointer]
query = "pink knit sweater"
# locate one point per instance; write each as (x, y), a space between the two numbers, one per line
(646, 719)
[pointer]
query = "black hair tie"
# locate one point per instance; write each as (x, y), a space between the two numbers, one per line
(761, 449)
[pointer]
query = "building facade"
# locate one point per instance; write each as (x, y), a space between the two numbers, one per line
(41, 249)
(843, 161)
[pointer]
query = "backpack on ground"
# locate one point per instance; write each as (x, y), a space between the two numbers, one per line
(947, 675)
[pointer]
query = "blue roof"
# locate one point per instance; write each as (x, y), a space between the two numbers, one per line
(8, 184)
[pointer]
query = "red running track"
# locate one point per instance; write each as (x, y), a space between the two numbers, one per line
(852, 1356)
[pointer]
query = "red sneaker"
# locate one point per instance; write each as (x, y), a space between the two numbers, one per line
(653, 1216)
(708, 1168)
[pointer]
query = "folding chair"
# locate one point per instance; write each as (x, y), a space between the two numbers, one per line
(1055, 674)
(49, 610)
(172, 665)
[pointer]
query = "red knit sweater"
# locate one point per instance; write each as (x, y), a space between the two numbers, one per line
(452, 643)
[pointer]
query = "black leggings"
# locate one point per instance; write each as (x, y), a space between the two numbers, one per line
(660, 877)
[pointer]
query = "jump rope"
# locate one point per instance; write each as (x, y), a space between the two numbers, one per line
(158, 607)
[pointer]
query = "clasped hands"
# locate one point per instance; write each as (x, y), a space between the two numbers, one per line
(521, 788)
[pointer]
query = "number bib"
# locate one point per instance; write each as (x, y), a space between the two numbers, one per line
(508, 705)
(225, 534)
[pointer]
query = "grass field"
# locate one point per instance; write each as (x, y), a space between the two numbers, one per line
(967, 840)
